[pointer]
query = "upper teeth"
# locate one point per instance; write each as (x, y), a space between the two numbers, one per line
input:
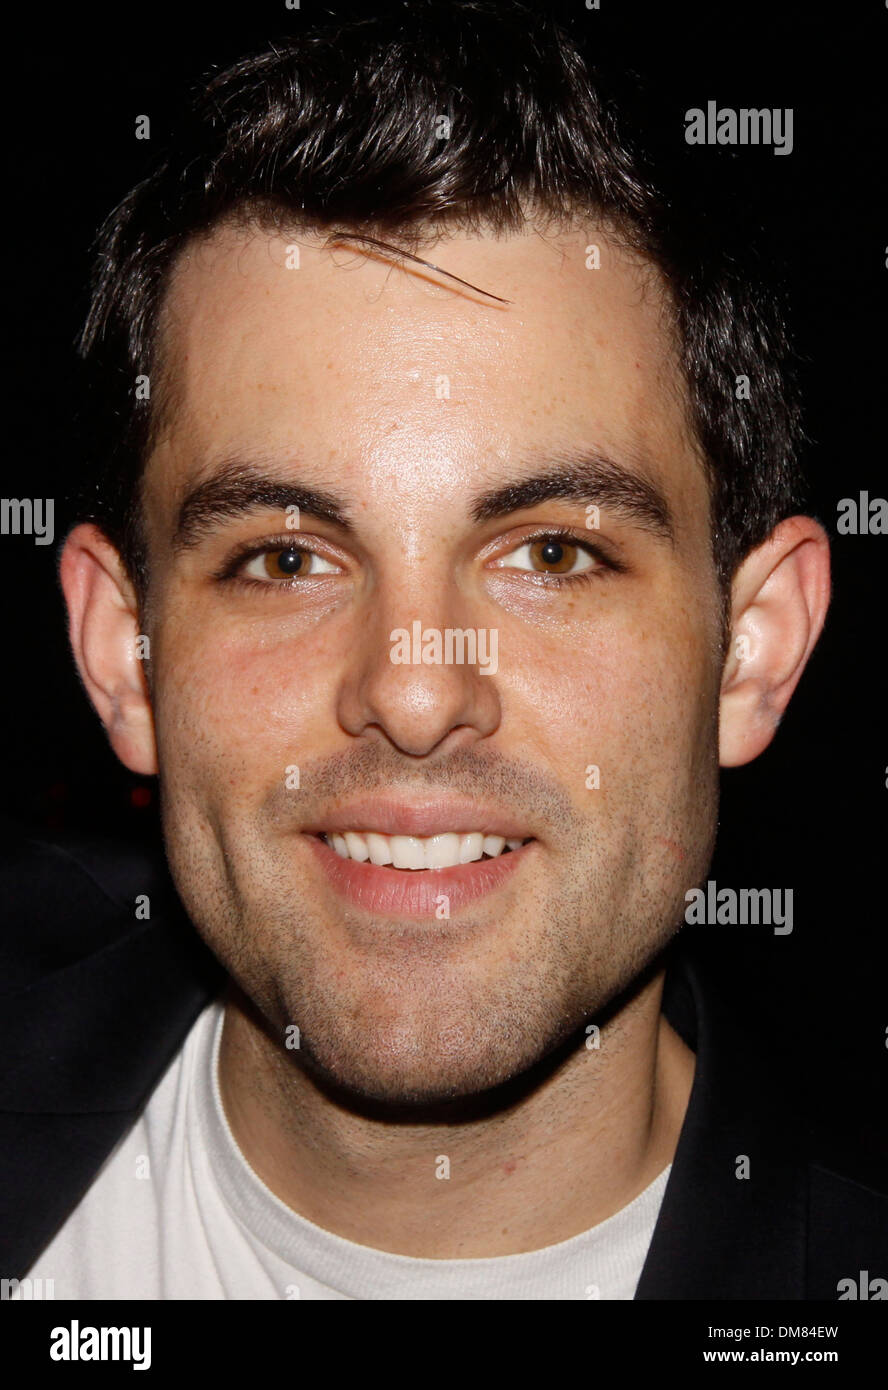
(414, 852)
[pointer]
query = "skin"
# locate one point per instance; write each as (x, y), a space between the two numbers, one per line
(469, 1040)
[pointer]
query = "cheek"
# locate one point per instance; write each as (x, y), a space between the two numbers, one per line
(232, 713)
(618, 693)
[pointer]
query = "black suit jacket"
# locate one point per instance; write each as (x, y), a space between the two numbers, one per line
(95, 1003)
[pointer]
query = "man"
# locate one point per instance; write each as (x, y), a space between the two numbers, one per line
(437, 565)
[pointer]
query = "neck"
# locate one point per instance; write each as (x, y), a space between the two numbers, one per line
(572, 1150)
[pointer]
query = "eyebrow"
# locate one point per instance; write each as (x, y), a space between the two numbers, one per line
(586, 476)
(235, 489)
(589, 477)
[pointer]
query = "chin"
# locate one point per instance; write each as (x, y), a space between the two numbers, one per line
(405, 1092)
(418, 1070)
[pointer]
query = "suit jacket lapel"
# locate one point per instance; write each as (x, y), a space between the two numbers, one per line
(719, 1234)
(83, 1049)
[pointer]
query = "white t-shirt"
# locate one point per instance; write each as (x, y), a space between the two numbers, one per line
(176, 1212)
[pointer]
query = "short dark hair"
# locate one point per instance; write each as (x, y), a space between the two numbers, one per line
(337, 129)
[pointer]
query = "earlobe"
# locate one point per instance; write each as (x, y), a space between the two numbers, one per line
(780, 598)
(103, 629)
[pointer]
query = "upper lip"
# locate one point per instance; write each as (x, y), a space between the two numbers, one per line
(430, 816)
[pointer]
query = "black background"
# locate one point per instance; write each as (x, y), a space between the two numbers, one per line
(809, 813)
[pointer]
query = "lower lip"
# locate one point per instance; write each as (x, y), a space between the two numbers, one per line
(415, 892)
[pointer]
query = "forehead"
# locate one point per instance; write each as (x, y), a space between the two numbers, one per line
(383, 369)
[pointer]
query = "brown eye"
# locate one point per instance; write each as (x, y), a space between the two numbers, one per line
(552, 555)
(278, 564)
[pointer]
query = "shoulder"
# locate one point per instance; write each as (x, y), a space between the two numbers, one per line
(97, 998)
(102, 973)
(68, 899)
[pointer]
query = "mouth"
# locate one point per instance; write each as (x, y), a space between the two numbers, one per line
(427, 878)
(415, 853)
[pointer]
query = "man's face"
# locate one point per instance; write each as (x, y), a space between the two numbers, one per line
(404, 399)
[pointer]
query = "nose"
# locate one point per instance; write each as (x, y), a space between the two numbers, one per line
(421, 672)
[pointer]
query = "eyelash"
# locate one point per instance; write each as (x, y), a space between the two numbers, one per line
(229, 571)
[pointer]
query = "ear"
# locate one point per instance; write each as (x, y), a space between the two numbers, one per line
(103, 627)
(779, 600)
